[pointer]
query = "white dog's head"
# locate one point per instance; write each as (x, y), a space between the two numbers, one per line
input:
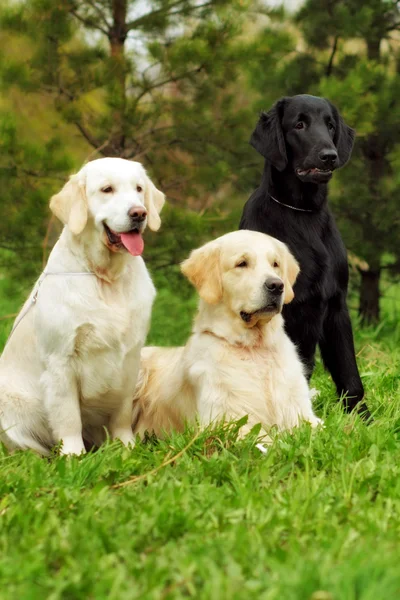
(250, 272)
(114, 195)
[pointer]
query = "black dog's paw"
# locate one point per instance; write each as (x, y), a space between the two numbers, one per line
(359, 406)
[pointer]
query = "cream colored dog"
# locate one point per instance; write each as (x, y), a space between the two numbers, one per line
(239, 360)
(70, 366)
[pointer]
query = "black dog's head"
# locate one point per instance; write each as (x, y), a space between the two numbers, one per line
(305, 133)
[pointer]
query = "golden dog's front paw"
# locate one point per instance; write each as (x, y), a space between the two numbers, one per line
(125, 436)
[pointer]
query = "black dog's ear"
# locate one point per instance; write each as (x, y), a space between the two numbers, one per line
(343, 138)
(268, 139)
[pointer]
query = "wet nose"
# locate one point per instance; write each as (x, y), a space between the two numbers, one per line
(274, 285)
(137, 214)
(328, 156)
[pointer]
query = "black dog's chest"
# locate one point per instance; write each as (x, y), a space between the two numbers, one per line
(319, 267)
(318, 249)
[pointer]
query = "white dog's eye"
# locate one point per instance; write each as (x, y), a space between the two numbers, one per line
(107, 190)
(276, 265)
(139, 188)
(242, 264)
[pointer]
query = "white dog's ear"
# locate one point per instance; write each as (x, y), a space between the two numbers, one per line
(70, 205)
(154, 201)
(291, 270)
(203, 270)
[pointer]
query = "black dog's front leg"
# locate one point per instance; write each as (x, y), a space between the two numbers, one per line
(303, 324)
(337, 350)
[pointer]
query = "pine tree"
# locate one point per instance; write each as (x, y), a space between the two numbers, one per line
(144, 81)
(355, 63)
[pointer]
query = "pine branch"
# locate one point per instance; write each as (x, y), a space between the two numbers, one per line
(148, 17)
(394, 267)
(31, 172)
(98, 150)
(140, 20)
(393, 26)
(88, 22)
(100, 13)
(171, 79)
(137, 153)
(332, 56)
(87, 135)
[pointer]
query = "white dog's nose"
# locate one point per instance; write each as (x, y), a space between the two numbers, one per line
(137, 214)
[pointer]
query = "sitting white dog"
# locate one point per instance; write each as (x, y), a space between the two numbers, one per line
(239, 360)
(70, 366)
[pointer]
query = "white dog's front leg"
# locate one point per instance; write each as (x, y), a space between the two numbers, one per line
(63, 409)
(121, 422)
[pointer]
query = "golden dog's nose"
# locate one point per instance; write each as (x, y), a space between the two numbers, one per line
(274, 285)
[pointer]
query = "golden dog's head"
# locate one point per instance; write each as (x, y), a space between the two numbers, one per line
(115, 196)
(250, 272)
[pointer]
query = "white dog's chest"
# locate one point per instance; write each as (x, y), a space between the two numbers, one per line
(106, 354)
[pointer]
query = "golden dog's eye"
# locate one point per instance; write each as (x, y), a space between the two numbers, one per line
(107, 190)
(139, 188)
(276, 265)
(242, 264)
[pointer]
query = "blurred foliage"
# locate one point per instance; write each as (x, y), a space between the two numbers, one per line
(181, 232)
(27, 172)
(361, 77)
(177, 85)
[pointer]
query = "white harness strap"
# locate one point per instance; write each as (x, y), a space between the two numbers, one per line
(35, 296)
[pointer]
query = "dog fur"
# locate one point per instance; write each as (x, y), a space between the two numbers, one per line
(70, 367)
(239, 360)
(303, 140)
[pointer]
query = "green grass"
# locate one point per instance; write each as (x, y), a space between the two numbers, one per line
(317, 518)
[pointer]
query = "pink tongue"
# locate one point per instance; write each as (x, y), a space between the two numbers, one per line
(133, 242)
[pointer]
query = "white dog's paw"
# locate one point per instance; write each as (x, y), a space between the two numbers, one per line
(125, 436)
(316, 422)
(72, 446)
(314, 393)
(262, 448)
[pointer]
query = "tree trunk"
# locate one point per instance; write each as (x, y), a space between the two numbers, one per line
(374, 48)
(117, 38)
(369, 296)
(374, 151)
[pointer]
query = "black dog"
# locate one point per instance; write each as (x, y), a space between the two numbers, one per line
(304, 139)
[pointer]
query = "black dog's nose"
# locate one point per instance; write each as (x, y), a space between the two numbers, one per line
(328, 156)
(137, 214)
(274, 285)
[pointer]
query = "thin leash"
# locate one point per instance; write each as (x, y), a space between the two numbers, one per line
(35, 297)
(288, 205)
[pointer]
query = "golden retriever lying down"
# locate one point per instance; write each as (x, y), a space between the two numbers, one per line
(239, 360)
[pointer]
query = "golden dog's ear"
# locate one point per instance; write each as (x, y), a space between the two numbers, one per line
(291, 270)
(154, 201)
(203, 270)
(70, 205)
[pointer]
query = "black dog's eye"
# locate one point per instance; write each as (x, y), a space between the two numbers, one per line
(299, 125)
(275, 265)
(331, 126)
(107, 190)
(242, 264)
(139, 188)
